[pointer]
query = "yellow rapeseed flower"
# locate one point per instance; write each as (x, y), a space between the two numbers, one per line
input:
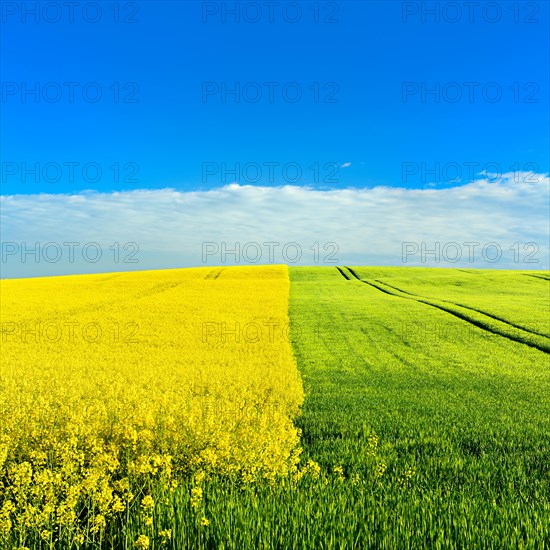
(166, 534)
(142, 542)
(148, 502)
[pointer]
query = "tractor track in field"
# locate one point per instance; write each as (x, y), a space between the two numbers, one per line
(403, 291)
(541, 277)
(364, 330)
(519, 327)
(545, 348)
(343, 274)
(157, 289)
(214, 274)
(372, 284)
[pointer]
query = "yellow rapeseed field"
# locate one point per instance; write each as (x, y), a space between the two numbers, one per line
(110, 382)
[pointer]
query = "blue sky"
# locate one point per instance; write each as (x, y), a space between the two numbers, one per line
(362, 122)
(369, 53)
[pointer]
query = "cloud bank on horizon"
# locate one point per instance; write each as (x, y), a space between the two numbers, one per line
(479, 225)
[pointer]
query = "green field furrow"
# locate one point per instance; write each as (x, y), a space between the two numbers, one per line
(478, 318)
(477, 310)
(516, 297)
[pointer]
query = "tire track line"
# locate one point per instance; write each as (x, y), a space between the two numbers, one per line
(542, 346)
(343, 274)
(541, 277)
(214, 274)
(506, 322)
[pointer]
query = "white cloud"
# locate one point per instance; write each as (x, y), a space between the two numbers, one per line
(369, 226)
(345, 165)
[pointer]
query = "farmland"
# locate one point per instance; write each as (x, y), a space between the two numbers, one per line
(406, 408)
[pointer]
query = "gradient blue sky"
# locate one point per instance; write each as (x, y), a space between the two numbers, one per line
(379, 168)
(170, 132)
